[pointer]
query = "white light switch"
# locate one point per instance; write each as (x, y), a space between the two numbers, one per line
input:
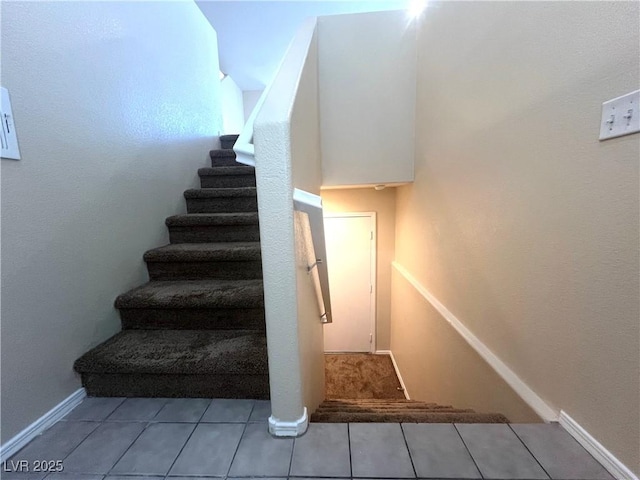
(8, 137)
(620, 116)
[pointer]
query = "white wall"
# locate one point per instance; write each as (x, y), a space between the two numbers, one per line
(250, 99)
(232, 107)
(113, 119)
(286, 138)
(520, 221)
(367, 98)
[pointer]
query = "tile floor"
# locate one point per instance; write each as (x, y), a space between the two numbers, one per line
(150, 439)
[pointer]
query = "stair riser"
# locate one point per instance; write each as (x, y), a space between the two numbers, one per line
(227, 161)
(214, 233)
(222, 205)
(393, 418)
(177, 386)
(227, 143)
(200, 270)
(192, 319)
(227, 181)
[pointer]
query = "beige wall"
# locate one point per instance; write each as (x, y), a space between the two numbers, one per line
(382, 202)
(367, 97)
(520, 222)
(113, 121)
(438, 365)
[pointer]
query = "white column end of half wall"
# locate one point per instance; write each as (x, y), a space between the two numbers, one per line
(14, 444)
(279, 428)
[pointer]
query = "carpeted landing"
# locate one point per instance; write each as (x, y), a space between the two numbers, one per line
(196, 329)
(364, 388)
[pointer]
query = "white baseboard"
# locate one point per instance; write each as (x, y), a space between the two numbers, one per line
(279, 428)
(395, 367)
(614, 466)
(14, 444)
(546, 412)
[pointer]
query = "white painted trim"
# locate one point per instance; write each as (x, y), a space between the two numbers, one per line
(306, 198)
(373, 268)
(395, 367)
(544, 410)
(280, 428)
(608, 460)
(40, 425)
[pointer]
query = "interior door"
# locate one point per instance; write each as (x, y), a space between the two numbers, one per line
(350, 243)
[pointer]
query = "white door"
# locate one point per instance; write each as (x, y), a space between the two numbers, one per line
(350, 240)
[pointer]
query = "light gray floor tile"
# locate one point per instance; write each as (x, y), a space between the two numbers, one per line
(260, 478)
(438, 451)
(94, 408)
(155, 450)
(322, 451)
(21, 475)
(379, 450)
(261, 454)
(228, 411)
(559, 453)
(499, 453)
(210, 450)
(261, 411)
(138, 409)
(73, 476)
(55, 443)
(182, 410)
(102, 449)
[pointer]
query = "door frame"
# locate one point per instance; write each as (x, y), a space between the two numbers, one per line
(374, 272)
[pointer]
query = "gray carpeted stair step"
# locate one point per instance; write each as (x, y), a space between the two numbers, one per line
(227, 141)
(191, 261)
(221, 200)
(214, 227)
(171, 363)
(194, 305)
(411, 417)
(227, 177)
(396, 410)
(223, 158)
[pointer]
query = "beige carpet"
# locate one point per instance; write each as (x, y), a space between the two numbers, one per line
(361, 375)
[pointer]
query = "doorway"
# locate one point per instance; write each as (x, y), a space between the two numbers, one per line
(351, 262)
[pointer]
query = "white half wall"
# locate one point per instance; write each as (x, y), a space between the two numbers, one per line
(367, 98)
(286, 139)
(113, 119)
(232, 107)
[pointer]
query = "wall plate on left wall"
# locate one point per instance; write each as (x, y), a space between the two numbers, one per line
(8, 137)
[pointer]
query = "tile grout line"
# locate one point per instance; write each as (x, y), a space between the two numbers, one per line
(182, 449)
(246, 424)
(468, 451)
(406, 444)
(530, 452)
(129, 447)
(293, 446)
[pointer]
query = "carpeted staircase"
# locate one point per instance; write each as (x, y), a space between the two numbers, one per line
(196, 329)
(394, 411)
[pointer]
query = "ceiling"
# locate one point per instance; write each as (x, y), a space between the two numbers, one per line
(254, 35)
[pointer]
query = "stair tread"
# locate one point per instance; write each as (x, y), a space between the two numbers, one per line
(191, 219)
(216, 192)
(205, 252)
(186, 352)
(215, 171)
(209, 293)
(223, 153)
(430, 417)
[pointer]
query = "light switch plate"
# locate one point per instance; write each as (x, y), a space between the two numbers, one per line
(8, 137)
(620, 116)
